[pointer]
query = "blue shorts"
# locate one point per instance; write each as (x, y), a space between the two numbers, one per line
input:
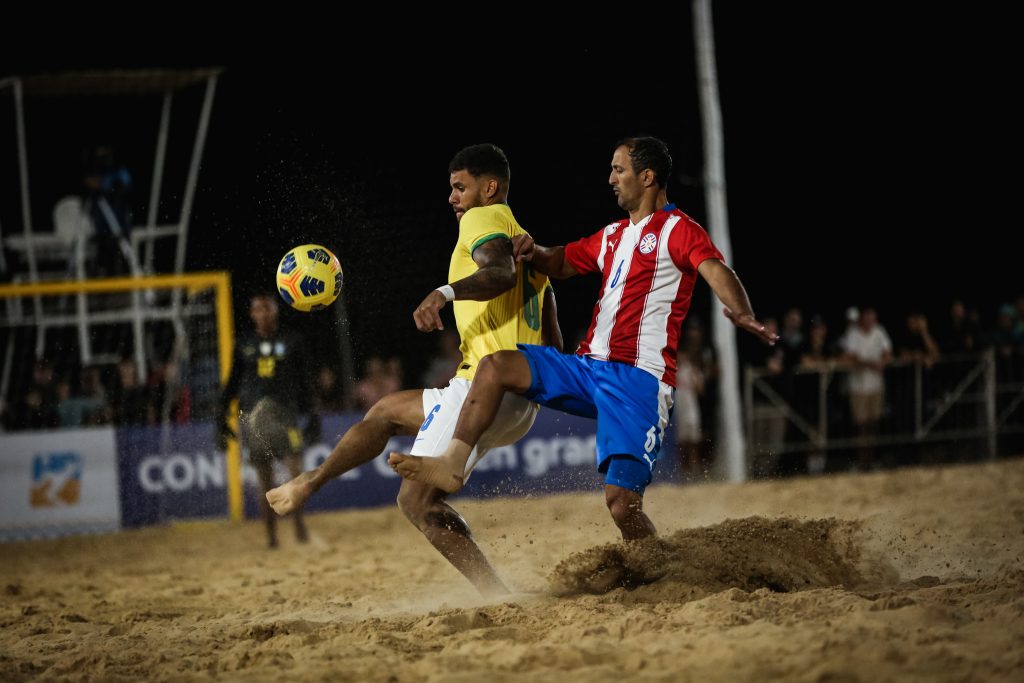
(631, 407)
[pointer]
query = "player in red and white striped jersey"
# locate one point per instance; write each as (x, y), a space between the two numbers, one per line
(623, 374)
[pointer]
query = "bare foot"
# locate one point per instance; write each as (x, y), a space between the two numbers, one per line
(436, 472)
(288, 497)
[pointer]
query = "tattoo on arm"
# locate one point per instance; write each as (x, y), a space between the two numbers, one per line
(497, 272)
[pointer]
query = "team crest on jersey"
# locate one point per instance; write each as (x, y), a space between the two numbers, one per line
(648, 243)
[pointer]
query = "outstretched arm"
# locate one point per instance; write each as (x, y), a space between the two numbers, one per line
(548, 260)
(496, 275)
(729, 290)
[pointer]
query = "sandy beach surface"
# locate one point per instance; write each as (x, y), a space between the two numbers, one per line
(909, 575)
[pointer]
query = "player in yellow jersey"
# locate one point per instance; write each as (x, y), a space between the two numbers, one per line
(497, 305)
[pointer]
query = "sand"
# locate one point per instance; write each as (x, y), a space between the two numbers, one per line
(911, 575)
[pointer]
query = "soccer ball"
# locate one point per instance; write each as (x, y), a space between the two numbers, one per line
(309, 277)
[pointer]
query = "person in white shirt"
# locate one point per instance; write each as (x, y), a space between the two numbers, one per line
(868, 349)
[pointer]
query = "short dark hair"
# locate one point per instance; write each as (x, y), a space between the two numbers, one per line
(478, 160)
(649, 152)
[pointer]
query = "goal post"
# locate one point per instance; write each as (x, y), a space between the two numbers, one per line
(72, 319)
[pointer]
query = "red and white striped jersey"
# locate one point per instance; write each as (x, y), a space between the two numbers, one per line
(648, 272)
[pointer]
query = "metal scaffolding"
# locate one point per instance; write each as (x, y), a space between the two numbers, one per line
(137, 242)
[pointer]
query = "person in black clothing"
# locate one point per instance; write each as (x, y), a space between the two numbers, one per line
(268, 376)
(915, 342)
(37, 407)
(130, 398)
(960, 332)
(108, 186)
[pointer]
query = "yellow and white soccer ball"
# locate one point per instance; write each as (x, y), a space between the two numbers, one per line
(309, 277)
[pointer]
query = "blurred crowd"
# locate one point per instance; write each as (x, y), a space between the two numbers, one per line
(864, 352)
(862, 346)
(98, 395)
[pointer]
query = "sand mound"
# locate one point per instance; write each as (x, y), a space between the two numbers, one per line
(782, 555)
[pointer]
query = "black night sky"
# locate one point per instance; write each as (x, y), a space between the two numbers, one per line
(862, 157)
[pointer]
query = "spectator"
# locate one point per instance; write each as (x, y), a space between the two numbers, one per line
(960, 332)
(92, 389)
(916, 343)
(37, 407)
(814, 355)
(686, 413)
(74, 410)
(868, 349)
(130, 398)
(330, 398)
(769, 419)
(107, 196)
(702, 355)
(791, 338)
(164, 378)
(1005, 341)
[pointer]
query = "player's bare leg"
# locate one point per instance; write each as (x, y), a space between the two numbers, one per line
(400, 413)
(265, 470)
(500, 372)
(627, 508)
(294, 463)
(447, 531)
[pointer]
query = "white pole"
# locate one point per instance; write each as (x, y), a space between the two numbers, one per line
(193, 174)
(158, 175)
(190, 187)
(730, 462)
(26, 207)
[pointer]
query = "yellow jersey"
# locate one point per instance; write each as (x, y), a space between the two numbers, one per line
(508, 319)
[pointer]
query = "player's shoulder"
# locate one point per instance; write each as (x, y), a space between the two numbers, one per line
(491, 212)
(613, 228)
(682, 219)
(487, 219)
(685, 230)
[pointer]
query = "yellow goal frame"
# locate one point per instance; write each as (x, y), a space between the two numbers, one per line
(220, 282)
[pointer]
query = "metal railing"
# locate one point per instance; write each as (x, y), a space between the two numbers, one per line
(961, 396)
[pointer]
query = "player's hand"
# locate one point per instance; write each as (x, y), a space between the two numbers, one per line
(223, 434)
(522, 248)
(752, 325)
(428, 314)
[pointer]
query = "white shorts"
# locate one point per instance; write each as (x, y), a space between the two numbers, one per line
(441, 409)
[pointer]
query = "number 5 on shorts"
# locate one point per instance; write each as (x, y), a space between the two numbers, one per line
(652, 439)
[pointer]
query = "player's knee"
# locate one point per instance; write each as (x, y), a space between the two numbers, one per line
(504, 368)
(489, 370)
(381, 410)
(387, 411)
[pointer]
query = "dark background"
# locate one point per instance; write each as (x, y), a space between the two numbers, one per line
(866, 157)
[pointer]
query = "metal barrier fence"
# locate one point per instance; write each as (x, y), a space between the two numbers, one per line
(960, 397)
